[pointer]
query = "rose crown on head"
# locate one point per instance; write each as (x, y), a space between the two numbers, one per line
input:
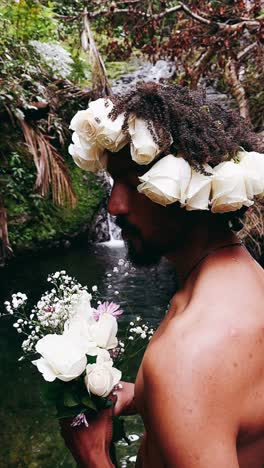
(225, 187)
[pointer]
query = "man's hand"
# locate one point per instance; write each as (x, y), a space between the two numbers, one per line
(90, 445)
(125, 403)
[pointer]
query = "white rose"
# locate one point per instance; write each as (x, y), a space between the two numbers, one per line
(88, 157)
(199, 189)
(143, 148)
(62, 358)
(167, 181)
(110, 135)
(101, 377)
(252, 164)
(87, 122)
(229, 188)
(79, 324)
(103, 332)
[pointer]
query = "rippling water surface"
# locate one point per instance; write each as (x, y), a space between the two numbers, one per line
(29, 431)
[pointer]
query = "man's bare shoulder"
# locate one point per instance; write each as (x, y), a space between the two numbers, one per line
(220, 334)
(230, 280)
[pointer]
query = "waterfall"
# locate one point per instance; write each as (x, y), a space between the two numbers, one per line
(115, 239)
(161, 70)
(104, 230)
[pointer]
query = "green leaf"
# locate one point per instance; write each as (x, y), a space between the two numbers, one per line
(87, 401)
(52, 392)
(109, 404)
(69, 399)
(91, 359)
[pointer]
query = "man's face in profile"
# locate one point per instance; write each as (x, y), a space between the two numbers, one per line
(148, 228)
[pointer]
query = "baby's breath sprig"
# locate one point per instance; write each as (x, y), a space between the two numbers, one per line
(50, 313)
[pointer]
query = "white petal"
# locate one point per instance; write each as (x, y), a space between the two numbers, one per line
(104, 331)
(61, 351)
(229, 188)
(117, 374)
(103, 356)
(167, 180)
(75, 371)
(199, 189)
(101, 107)
(143, 147)
(161, 190)
(45, 369)
(111, 135)
(252, 164)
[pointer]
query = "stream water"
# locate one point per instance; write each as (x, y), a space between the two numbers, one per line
(29, 430)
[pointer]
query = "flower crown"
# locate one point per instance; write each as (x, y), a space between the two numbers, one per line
(227, 187)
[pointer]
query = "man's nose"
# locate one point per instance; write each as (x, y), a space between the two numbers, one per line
(118, 202)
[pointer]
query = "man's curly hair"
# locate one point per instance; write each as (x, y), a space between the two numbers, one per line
(204, 132)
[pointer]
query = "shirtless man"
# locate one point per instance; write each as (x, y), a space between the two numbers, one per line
(200, 386)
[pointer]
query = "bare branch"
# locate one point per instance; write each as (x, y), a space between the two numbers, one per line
(247, 51)
(249, 24)
(197, 17)
(202, 18)
(234, 27)
(95, 14)
(127, 2)
(168, 11)
(237, 88)
(200, 66)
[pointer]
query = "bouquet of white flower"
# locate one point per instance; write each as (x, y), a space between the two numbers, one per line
(76, 344)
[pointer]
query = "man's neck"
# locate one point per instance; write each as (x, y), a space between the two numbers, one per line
(199, 242)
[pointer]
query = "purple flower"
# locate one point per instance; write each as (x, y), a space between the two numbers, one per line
(49, 309)
(107, 308)
(79, 420)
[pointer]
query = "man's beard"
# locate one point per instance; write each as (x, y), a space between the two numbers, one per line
(149, 253)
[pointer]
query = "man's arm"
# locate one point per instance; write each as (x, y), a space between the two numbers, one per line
(90, 445)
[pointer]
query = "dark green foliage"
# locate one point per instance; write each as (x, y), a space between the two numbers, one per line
(33, 220)
(29, 93)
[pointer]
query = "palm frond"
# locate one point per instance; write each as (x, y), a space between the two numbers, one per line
(51, 168)
(100, 83)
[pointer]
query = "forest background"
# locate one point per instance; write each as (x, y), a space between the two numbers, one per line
(56, 55)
